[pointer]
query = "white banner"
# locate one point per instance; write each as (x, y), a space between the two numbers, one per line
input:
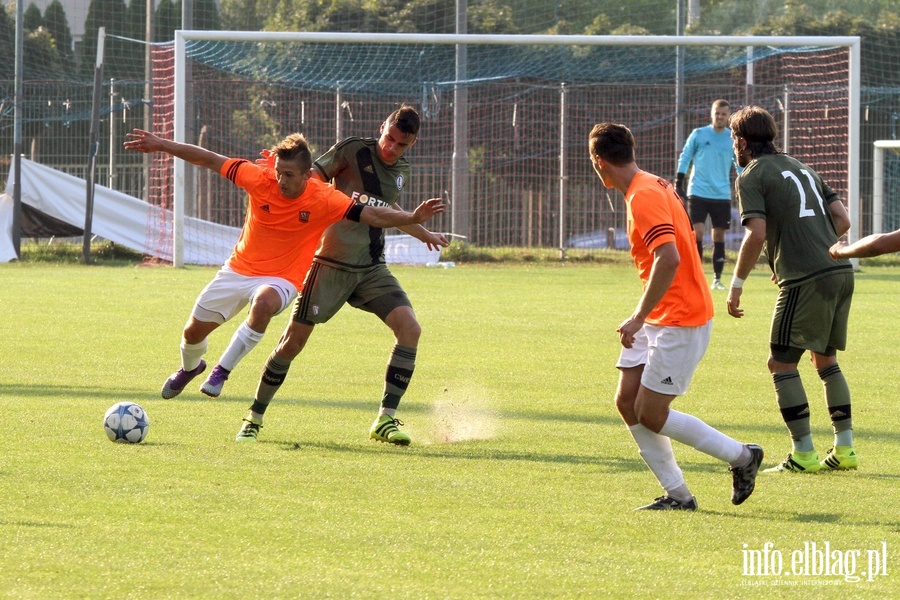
(133, 223)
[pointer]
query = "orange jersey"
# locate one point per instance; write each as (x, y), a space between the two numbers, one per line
(657, 216)
(281, 234)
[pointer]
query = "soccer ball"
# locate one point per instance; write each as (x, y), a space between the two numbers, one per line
(126, 422)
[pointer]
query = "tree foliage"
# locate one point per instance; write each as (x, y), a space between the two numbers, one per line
(41, 56)
(875, 37)
(32, 19)
(111, 15)
(206, 15)
(166, 20)
(136, 20)
(7, 44)
(58, 26)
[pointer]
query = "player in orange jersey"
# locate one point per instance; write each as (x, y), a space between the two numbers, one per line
(667, 334)
(349, 268)
(286, 216)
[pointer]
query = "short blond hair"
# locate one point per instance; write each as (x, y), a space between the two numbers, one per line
(294, 148)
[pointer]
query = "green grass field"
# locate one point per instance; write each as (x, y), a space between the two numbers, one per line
(520, 482)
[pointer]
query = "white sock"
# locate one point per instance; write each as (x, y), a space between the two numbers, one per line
(242, 342)
(690, 430)
(191, 354)
(656, 450)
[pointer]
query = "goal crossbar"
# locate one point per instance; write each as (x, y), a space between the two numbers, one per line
(182, 37)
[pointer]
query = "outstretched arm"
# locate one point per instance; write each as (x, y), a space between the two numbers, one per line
(435, 241)
(384, 217)
(872, 245)
(146, 142)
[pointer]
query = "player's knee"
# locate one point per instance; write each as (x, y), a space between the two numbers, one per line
(649, 418)
(411, 333)
(292, 341)
(625, 405)
(264, 306)
(196, 331)
(407, 330)
(289, 348)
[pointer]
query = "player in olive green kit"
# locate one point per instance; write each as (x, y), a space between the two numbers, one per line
(349, 267)
(786, 207)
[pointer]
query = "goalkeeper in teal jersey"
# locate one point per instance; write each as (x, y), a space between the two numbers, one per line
(787, 209)
(349, 268)
(708, 192)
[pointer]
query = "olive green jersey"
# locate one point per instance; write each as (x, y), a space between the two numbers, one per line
(355, 169)
(794, 201)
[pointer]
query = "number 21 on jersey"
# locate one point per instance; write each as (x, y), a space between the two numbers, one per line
(805, 211)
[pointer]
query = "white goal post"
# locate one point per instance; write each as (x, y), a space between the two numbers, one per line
(182, 37)
(878, 182)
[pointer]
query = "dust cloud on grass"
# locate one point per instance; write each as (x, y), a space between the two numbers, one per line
(461, 414)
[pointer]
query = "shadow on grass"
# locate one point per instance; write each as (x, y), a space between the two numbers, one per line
(502, 414)
(473, 451)
(36, 524)
(117, 394)
(750, 511)
(747, 431)
(744, 431)
(67, 391)
(783, 516)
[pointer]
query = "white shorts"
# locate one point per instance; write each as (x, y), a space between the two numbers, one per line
(229, 292)
(670, 356)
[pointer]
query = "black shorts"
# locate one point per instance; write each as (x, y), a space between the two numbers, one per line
(719, 211)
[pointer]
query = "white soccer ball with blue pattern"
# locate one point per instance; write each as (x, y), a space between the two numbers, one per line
(126, 422)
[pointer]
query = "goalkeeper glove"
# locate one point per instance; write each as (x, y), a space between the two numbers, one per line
(679, 186)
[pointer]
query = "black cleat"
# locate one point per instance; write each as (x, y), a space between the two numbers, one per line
(667, 503)
(744, 478)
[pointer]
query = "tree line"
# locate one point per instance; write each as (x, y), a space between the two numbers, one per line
(49, 53)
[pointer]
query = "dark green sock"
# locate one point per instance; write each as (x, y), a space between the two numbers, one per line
(399, 371)
(837, 398)
(794, 407)
(271, 379)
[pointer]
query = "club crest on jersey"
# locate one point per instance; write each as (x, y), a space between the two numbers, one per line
(304, 216)
(399, 182)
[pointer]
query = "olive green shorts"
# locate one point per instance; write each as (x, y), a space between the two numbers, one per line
(327, 289)
(812, 316)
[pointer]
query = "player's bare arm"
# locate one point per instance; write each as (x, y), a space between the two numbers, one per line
(751, 247)
(434, 241)
(146, 142)
(384, 217)
(871, 245)
(665, 263)
(840, 217)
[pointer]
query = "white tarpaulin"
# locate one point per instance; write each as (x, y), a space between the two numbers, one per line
(133, 223)
(121, 218)
(7, 249)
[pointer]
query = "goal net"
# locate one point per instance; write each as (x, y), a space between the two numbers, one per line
(505, 118)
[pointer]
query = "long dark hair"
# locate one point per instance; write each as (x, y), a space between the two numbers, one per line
(757, 127)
